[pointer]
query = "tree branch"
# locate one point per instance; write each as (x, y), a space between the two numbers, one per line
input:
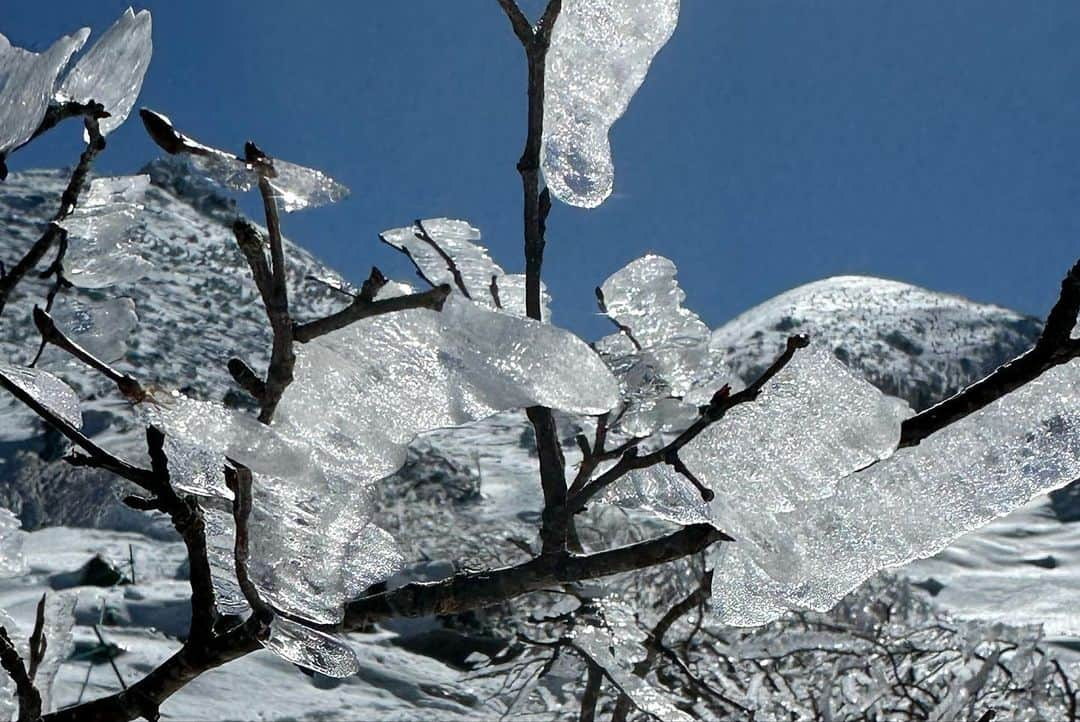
(50, 333)
(362, 308)
(1054, 347)
(27, 693)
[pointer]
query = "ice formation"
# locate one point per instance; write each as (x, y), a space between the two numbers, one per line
(661, 354)
(101, 327)
(909, 506)
(47, 390)
(112, 71)
(312, 649)
(359, 397)
(455, 246)
(12, 562)
(103, 232)
(220, 552)
(297, 187)
(600, 52)
(27, 83)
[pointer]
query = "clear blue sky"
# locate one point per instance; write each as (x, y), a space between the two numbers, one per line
(774, 142)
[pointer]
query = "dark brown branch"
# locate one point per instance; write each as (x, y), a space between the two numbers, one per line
(28, 695)
(626, 330)
(38, 643)
(594, 681)
(127, 384)
(474, 590)
(360, 309)
(721, 403)
(238, 478)
(1054, 347)
(68, 200)
(422, 234)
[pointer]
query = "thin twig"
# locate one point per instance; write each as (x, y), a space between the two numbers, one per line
(27, 694)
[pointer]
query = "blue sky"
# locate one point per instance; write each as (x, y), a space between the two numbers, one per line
(775, 142)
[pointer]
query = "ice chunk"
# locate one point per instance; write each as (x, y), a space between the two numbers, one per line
(661, 354)
(221, 553)
(598, 645)
(112, 71)
(909, 506)
(47, 390)
(225, 170)
(59, 620)
(12, 562)
(448, 251)
(101, 327)
(311, 649)
(297, 187)
(103, 233)
(600, 52)
(195, 469)
(27, 82)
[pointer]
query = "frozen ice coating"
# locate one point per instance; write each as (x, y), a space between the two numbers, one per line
(47, 390)
(224, 169)
(600, 52)
(104, 231)
(101, 327)
(59, 620)
(455, 246)
(297, 187)
(662, 355)
(112, 71)
(907, 507)
(220, 552)
(311, 649)
(597, 644)
(12, 562)
(27, 82)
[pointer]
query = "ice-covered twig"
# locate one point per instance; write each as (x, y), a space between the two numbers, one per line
(238, 479)
(68, 201)
(28, 694)
(1054, 347)
(626, 330)
(38, 642)
(594, 681)
(126, 383)
(721, 403)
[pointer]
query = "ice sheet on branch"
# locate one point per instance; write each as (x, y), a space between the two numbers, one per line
(47, 390)
(600, 53)
(59, 621)
(662, 356)
(294, 187)
(112, 71)
(359, 397)
(220, 552)
(101, 327)
(812, 424)
(909, 506)
(311, 649)
(27, 83)
(103, 233)
(454, 256)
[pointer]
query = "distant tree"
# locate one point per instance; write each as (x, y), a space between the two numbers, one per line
(779, 494)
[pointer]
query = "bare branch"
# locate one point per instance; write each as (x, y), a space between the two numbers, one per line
(38, 642)
(238, 478)
(360, 309)
(422, 234)
(626, 330)
(591, 696)
(518, 21)
(1054, 347)
(50, 333)
(27, 693)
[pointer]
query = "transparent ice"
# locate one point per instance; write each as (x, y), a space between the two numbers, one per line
(460, 241)
(296, 187)
(662, 355)
(12, 562)
(311, 649)
(59, 621)
(112, 71)
(906, 507)
(600, 52)
(47, 390)
(101, 327)
(104, 232)
(27, 83)
(220, 552)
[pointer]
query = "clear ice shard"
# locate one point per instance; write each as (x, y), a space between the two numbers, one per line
(597, 644)
(12, 562)
(112, 71)
(296, 187)
(27, 83)
(446, 250)
(908, 506)
(600, 53)
(661, 354)
(101, 327)
(104, 233)
(220, 552)
(47, 390)
(360, 395)
(59, 621)
(311, 649)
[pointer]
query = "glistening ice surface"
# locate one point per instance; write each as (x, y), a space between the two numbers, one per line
(104, 232)
(112, 71)
(600, 52)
